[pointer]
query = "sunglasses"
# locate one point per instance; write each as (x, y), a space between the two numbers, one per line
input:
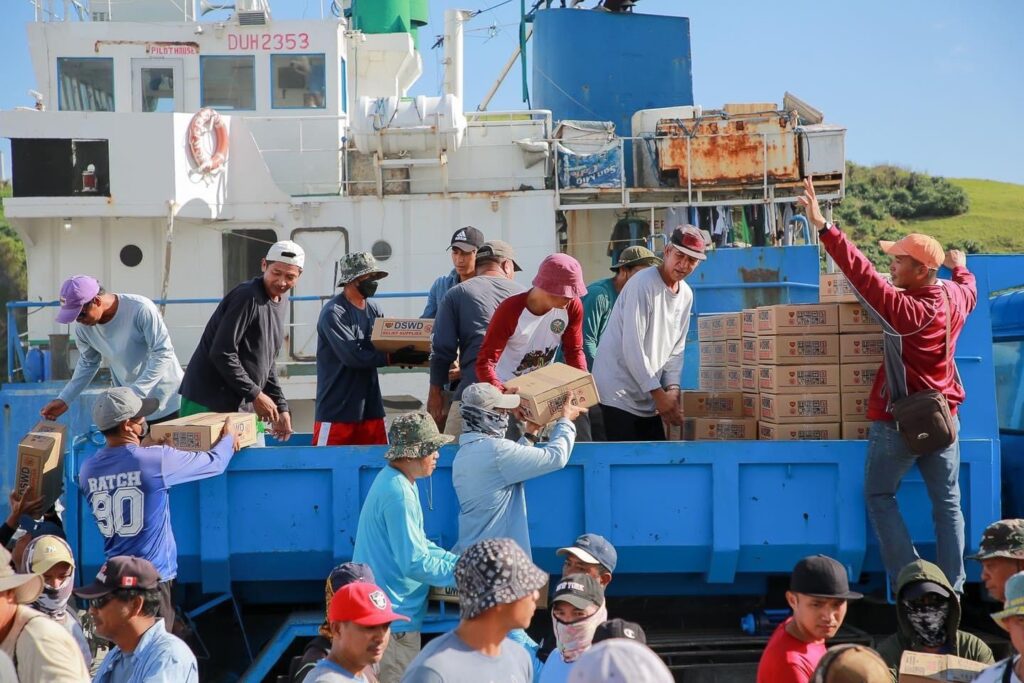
(101, 602)
(82, 313)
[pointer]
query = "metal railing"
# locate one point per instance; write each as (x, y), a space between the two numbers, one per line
(16, 347)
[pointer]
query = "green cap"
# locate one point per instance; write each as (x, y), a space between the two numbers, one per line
(356, 265)
(1004, 538)
(414, 435)
(635, 256)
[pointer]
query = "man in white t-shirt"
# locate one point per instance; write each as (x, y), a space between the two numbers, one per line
(640, 357)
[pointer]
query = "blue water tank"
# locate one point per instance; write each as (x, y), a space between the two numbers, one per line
(600, 66)
(37, 365)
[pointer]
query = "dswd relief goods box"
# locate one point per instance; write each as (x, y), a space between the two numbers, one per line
(857, 376)
(712, 403)
(748, 322)
(861, 348)
(798, 379)
(394, 334)
(920, 667)
(732, 325)
(798, 319)
(201, 431)
(719, 429)
(856, 430)
(712, 353)
(800, 408)
(806, 349)
(545, 391)
(835, 288)
(711, 379)
(855, 405)
(824, 431)
(40, 466)
(855, 318)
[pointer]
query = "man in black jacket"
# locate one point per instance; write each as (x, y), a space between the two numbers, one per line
(233, 367)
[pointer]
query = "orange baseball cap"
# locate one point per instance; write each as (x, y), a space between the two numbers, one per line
(922, 248)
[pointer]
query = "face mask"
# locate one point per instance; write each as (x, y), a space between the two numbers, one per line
(929, 623)
(367, 288)
(574, 639)
(483, 421)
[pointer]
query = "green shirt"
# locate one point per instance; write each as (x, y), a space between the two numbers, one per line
(597, 309)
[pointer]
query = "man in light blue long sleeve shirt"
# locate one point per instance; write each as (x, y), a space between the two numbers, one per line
(390, 536)
(127, 332)
(489, 470)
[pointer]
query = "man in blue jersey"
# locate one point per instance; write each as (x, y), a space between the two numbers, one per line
(126, 484)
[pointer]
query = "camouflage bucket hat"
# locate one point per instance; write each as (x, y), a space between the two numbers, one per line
(1004, 538)
(414, 435)
(358, 264)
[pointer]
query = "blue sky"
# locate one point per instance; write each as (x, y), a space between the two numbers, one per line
(934, 86)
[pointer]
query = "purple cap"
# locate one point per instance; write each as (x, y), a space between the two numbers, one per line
(75, 293)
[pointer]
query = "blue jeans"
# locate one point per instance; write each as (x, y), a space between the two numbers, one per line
(888, 461)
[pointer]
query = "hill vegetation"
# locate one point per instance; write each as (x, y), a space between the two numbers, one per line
(13, 274)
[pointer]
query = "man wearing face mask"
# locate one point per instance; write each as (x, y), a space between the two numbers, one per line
(51, 558)
(577, 609)
(349, 405)
(928, 617)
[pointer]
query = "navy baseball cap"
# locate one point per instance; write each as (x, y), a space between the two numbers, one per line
(593, 549)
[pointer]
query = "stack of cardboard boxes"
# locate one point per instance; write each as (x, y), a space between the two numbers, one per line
(792, 371)
(860, 346)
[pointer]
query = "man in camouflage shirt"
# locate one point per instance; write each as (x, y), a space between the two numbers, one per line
(390, 537)
(349, 406)
(1001, 553)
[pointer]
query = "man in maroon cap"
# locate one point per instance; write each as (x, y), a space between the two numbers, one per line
(527, 329)
(640, 357)
(360, 618)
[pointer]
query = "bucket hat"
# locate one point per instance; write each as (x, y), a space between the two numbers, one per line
(414, 435)
(356, 265)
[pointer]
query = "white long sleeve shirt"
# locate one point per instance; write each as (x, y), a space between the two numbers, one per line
(642, 347)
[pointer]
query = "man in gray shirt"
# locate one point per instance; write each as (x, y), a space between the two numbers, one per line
(498, 591)
(127, 332)
(461, 323)
(640, 356)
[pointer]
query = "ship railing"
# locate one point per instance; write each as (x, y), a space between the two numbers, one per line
(18, 343)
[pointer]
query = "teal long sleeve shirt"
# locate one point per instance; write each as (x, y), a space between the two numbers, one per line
(597, 309)
(390, 538)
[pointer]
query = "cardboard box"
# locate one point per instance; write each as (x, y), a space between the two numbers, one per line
(711, 379)
(719, 429)
(855, 318)
(712, 403)
(392, 334)
(807, 349)
(201, 431)
(40, 467)
(800, 408)
(918, 667)
(704, 332)
(748, 322)
(858, 376)
(733, 379)
(748, 351)
(751, 406)
(798, 379)
(733, 352)
(861, 348)
(748, 378)
(732, 326)
(855, 405)
(712, 353)
(835, 288)
(825, 431)
(545, 391)
(798, 319)
(854, 430)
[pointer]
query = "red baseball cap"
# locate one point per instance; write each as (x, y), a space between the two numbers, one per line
(921, 248)
(362, 603)
(690, 241)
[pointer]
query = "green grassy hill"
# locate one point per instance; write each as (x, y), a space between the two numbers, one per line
(994, 221)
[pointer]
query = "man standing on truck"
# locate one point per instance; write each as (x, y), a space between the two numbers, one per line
(921, 318)
(234, 365)
(640, 357)
(349, 405)
(126, 331)
(127, 485)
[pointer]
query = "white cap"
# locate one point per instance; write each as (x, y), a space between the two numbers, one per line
(487, 396)
(288, 252)
(619, 659)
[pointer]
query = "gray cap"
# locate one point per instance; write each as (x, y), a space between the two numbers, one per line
(116, 405)
(487, 396)
(496, 250)
(618, 660)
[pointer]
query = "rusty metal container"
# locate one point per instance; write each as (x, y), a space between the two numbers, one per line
(720, 149)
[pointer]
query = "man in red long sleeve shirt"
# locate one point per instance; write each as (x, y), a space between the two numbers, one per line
(527, 329)
(914, 321)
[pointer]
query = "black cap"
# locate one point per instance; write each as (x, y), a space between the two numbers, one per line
(467, 239)
(915, 590)
(821, 577)
(349, 572)
(579, 590)
(118, 572)
(619, 628)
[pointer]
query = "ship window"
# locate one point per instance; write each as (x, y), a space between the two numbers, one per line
(228, 82)
(381, 250)
(243, 252)
(298, 81)
(131, 255)
(85, 84)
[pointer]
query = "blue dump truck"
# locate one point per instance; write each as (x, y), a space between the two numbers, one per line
(688, 518)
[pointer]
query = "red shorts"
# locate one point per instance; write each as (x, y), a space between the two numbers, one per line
(365, 433)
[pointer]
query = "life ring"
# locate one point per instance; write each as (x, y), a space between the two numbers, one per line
(207, 120)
